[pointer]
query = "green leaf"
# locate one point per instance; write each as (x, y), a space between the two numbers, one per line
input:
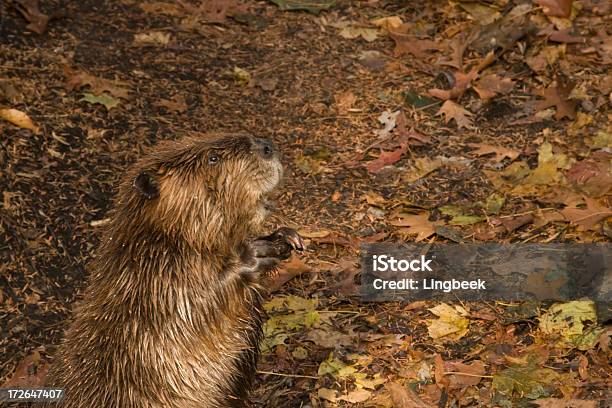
(527, 381)
(103, 99)
(312, 6)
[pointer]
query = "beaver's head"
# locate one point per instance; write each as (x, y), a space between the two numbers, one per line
(210, 191)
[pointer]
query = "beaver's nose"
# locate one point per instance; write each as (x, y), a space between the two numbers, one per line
(265, 148)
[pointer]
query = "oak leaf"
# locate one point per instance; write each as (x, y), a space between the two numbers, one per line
(451, 110)
(587, 218)
(490, 85)
(500, 152)
(418, 224)
(558, 96)
(386, 158)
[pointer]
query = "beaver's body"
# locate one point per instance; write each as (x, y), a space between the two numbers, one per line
(171, 316)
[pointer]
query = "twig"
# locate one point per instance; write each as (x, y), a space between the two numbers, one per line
(287, 375)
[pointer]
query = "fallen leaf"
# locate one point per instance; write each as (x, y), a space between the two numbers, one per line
(103, 99)
(494, 204)
(451, 323)
(490, 85)
(439, 370)
(556, 8)
(513, 223)
(565, 403)
(356, 396)
(526, 381)
(453, 111)
(388, 23)
(312, 6)
(420, 168)
(30, 11)
(152, 38)
(462, 83)
(482, 13)
(9, 92)
(345, 101)
(19, 119)
(346, 271)
(329, 338)
(547, 56)
(76, 80)
(568, 320)
(557, 96)
(158, 7)
(266, 83)
(404, 397)
(352, 30)
(327, 394)
(418, 224)
(461, 215)
(177, 104)
(500, 152)
(30, 373)
(215, 11)
(410, 44)
(286, 271)
(473, 371)
(373, 60)
(241, 76)
(593, 175)
(388, 119)
(589, 217)
(385, 159)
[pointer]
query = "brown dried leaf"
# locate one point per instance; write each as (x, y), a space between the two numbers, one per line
(418, 224)
(18, 118)
(386, 158)
(592, 176)
(500, 152)
(80, 79)
(463, 82)
(565, 403)
(158, 7)
(404, 397)
(557, 96)
(491, 85)
(287, 270)
(30, 373)
(215, 11)
(30, 11)
(587, 218)
(451, 110)
(176, 104)
(474, 372)
(556, 8)
(410, 44)
(345, 101)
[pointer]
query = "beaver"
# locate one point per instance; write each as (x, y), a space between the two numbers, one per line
(171, 315)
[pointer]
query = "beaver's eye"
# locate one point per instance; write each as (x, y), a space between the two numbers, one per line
(213, 158)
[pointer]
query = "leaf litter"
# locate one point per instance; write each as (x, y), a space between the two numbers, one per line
(513, 145)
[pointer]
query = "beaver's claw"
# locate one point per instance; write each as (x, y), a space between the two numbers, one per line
(289, 236)
(278, 245)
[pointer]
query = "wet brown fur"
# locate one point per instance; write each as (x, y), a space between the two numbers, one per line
(171, 316)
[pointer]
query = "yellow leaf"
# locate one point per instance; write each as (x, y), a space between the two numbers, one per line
(19, 118)
(450, 324)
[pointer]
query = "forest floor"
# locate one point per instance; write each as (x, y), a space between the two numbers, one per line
(398, 121)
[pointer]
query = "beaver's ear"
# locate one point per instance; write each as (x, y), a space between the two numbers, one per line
(146, 185)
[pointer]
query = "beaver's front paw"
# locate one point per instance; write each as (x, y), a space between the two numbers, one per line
(278, 245)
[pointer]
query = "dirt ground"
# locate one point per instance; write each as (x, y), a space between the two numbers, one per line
(371, 120)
